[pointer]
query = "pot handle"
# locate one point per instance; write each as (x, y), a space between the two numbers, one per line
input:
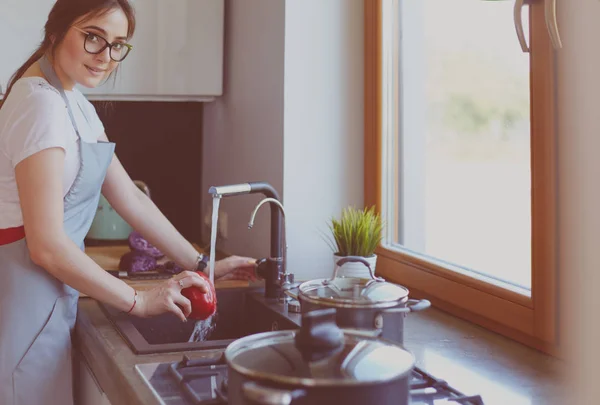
(262, 395)
(364, 333)
(289, 293)
(411, 306)
(288, 290)
(355, 259)
(417, 305)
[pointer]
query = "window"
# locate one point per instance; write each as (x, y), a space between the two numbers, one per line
(460, 159)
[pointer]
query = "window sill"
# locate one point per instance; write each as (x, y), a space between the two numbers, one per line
(469, 302)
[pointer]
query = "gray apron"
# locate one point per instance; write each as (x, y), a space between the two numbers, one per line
(38, 311)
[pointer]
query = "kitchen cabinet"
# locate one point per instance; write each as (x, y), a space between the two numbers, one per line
(177, 55)
(87, 389)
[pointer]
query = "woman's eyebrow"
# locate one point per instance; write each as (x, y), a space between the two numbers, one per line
(102, 31)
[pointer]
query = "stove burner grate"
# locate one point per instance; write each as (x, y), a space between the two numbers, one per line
(204, 382)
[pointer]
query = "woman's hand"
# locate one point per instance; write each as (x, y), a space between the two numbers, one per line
(235, 268)
(167, 296)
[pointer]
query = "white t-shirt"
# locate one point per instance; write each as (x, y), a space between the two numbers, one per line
(35, 117)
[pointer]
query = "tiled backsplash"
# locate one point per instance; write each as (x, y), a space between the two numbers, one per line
(161, 144)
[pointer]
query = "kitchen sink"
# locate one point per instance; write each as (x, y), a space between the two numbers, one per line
(240, 312)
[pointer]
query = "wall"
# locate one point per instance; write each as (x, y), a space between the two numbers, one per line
(323, 144)
(243, 129)
(161, 144)
(292, 118)
(579, 187)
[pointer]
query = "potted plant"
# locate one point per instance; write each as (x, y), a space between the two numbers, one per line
(357, 233)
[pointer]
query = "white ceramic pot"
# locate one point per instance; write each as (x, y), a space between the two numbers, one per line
(355, 269)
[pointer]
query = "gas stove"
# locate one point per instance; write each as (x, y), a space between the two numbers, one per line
(203, 381)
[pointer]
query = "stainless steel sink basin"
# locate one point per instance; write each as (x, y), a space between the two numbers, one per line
(238, 315)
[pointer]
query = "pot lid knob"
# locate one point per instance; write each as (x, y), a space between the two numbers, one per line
(319, 336)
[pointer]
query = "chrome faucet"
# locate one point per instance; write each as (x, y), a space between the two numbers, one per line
(268, 199)
(268, 268)
(285, 279)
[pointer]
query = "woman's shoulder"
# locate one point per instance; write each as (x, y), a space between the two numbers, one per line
(32, 102)
(33, 93)
(33, 117)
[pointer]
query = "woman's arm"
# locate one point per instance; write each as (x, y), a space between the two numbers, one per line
(143, 215)
(39, 182)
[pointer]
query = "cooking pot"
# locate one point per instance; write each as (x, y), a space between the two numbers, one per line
(370, 306)
(315, 365)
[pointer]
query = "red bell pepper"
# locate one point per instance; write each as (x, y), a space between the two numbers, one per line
(203, 304)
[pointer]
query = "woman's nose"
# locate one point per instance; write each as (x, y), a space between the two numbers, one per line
(104, 56)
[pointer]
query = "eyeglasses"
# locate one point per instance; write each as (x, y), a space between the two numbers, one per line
(96, 44)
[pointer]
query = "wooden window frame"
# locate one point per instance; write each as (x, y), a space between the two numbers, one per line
(530, 320)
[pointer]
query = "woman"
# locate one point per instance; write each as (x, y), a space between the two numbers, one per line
(55, 160)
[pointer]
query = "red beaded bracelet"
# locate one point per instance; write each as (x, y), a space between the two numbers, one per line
(134, 302)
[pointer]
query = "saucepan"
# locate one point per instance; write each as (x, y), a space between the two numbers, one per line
(370, 306)
(319, 364)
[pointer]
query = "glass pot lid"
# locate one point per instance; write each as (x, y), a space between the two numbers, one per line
(318, 354)
(372, 292)
(349, 291)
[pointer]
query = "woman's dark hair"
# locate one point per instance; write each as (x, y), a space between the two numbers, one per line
(65, 13)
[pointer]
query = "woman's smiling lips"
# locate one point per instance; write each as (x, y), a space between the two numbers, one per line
(95, 71)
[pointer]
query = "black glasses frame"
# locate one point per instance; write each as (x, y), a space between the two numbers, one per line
(106, 45)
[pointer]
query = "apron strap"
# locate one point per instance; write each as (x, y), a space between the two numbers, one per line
(55, 82)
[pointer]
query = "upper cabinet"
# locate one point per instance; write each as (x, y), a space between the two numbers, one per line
(177, 54)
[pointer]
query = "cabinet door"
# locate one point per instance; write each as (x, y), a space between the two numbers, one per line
(88, 389)
(177, 55)
(22, 30)
(189, 38)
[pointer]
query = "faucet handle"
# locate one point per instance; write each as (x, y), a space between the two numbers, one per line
(269, 268)
(286, 282)
(286, 278)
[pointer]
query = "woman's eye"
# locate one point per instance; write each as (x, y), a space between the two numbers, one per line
(118, 46)
(93, 38)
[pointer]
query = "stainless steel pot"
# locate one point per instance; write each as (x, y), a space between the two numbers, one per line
(372, 307)
(315, 365)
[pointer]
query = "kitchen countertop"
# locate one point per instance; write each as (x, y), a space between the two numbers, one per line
(111, 360)
(108, 258)
(108, 355)
(470, 358)
(476, 361)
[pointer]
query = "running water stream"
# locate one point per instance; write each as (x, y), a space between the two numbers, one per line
(203, 328)
(213, 237)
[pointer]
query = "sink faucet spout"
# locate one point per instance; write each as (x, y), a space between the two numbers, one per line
(277, 248)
